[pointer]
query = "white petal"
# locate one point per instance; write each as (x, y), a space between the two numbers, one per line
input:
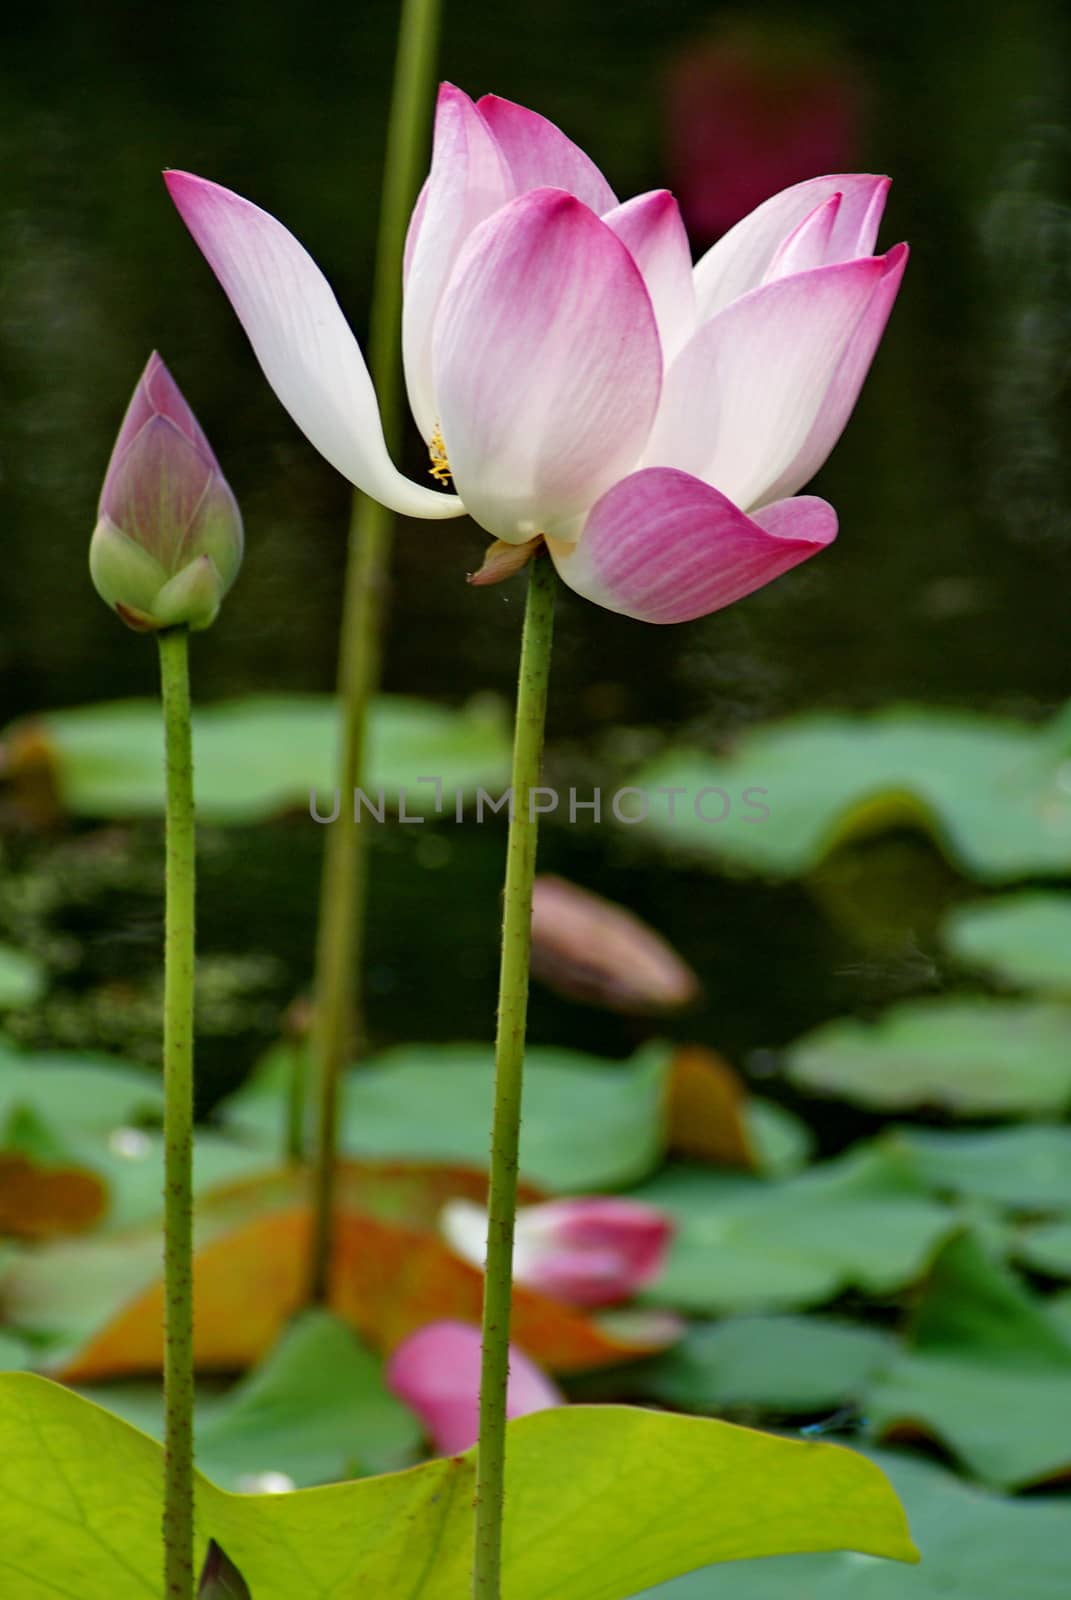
(651, 227)
(740, 260)
(742, 399)
(301, 340)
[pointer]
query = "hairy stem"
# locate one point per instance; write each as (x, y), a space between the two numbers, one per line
(178, 1119)
(340, 938)
(509, 1064)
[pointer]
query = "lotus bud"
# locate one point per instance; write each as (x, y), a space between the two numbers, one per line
(168, 540)
(220, 1578)
(594, 951)
(593, 1251)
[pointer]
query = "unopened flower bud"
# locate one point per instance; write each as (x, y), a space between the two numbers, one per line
(168, 540)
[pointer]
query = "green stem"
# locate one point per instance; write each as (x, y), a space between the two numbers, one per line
(343, 893)
(178, 1119)
(509, 1064)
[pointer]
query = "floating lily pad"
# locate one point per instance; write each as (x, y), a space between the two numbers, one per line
(994, 793)
(316, 1411)
(861, 1221)
(22, 978)
(1023, 939)
(1047, 1248)
(974, 1545)
(987, 1373)
(646, 1496)
(1018, 1169)
(977, 1056)
(784, 1364)
(74, 1092)
(588, 1123)
(260, 755)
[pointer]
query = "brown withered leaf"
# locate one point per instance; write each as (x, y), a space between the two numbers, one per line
(706, 1110)
(391, 1273)
(590, 949)
(39, 1201)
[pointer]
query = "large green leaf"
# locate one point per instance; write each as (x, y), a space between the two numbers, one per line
(602, 1501)
(22, 978)
(588, 1123)
(987, 1372)
(976, 1056)
(990, 790)
(316, 1410)
(1024, 939)
(1022, 1169)
(784, 1364)
(974, 1546)
(743, 1244)
(263, 754)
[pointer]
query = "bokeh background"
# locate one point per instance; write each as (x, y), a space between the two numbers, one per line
(949, 583)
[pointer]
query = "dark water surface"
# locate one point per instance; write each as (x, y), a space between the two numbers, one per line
(949, 583)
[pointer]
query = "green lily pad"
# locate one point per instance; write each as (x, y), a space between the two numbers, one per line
(744, 1244)
(646, 1496)
(315, 1411)
(991, 791)
(1019, 1169)
(1023, 939)
(1047, 1248)
(976, 1056)
(588, 1123)
(263, 754)
(781, 1141)
(1059, 1309)
(22, 978)
(987, 1373)
(75, 1092)
(974, 1545)
(784, 1364)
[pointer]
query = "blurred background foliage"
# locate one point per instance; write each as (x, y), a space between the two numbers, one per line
(948, 582)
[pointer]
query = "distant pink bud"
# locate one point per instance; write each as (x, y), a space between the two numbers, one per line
(589, 1252)
(168, 540)
(436, 1372)
(592, 950)
(750, 112)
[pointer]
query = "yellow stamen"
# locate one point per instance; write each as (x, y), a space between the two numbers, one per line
(440, 465)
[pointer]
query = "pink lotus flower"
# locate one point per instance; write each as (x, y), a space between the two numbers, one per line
(436, 1372)
(588, 1252)
(168, 540)
(570, 371)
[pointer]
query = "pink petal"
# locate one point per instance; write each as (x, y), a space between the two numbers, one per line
(541, 157)
(547, 365)
(301, 339)
(651, 227)
(158, 395)
(808, 245)
(848, 379)
(749, 403)
(156, 487)
(436, 1371)
(740, 260)
(664, 547)
(469, 180)
(593, 1251)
